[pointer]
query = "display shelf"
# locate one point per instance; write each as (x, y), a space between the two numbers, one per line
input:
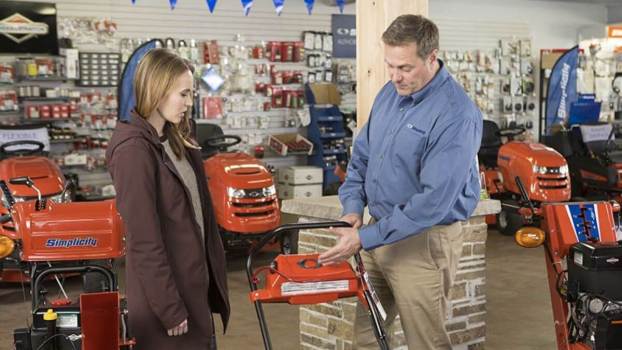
(44, 99)
(43, 79)
(333, 135)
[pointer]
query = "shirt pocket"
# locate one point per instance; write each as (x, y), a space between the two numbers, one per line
(409, 146)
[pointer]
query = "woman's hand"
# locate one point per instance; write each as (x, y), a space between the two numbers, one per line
(180, 329)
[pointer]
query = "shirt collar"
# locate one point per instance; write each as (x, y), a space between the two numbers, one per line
(431, 86)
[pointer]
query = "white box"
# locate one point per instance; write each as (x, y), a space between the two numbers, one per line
(301, 175)
(285, 191)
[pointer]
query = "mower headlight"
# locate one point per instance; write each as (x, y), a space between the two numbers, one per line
(269, 191)
(563, 169)
(6, 246)
(539, 170)
(235, 192)
(529, 237)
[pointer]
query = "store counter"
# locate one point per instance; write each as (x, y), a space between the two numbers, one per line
(330, 326)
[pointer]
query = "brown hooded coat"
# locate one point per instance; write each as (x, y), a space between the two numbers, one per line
(166, 259)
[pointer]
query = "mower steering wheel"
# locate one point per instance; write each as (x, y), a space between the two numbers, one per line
(222, 141)
(21, 151)
(511, 132)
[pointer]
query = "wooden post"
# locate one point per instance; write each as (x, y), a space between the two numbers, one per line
(372, 18)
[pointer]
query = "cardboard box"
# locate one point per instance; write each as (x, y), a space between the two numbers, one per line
(326, 94)
(301, 175)
(285, 191)
(288, 143)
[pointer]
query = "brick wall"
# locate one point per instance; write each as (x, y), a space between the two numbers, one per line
(330, 326)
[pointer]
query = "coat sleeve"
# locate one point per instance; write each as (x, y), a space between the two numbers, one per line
(134, 174)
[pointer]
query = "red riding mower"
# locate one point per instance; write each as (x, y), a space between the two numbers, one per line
(27, 158)
(594, 158)
(48, 241)
(584, 268)
(241, 188)
(541, 168)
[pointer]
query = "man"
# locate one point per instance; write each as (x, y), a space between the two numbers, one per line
(414, 165)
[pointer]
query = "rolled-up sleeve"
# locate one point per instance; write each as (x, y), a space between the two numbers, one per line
(446, 167)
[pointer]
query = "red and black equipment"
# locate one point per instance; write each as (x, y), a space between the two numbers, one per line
(242, 190)
(50, 241)
(584, 268)
(299, 279)
(542, 169)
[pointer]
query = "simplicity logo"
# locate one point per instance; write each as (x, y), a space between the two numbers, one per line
(69, 243)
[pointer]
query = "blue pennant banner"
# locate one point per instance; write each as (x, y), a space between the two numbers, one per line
(341, 3)
(247, 6)
(278, 6)
(309, 4)
(173, 3)
(562, 89)
(211, 4)
(133, 2)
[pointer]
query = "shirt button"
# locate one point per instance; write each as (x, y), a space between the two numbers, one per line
(374, 180)
(382, 156)
(402, 109)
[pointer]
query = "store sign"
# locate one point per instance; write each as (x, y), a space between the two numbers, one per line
(562, 89)
(38, 134)
(19, 28)
(28, 27)
(614, 31)
(344, 36)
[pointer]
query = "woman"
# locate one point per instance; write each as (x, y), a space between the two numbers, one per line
(175, 265)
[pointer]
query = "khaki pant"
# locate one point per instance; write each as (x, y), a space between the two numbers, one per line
(412, 278)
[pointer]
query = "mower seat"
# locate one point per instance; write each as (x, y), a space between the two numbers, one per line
(491, 142)
(204, 132)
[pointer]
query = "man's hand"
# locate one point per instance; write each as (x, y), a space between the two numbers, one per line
(353, 219)
(180, 329)
(348, 244)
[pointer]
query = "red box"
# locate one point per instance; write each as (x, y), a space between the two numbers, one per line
(299, 51)
(45, 112)
(56, 111)
(64, 111)
(287, 51)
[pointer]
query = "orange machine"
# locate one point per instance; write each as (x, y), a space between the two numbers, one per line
(299, 280)
(543, 171)
(48, 240)
(26, 158)
(241, 188)
(584, 268)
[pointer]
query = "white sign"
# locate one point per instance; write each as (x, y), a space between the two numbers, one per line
(39, 134)
(591, 133)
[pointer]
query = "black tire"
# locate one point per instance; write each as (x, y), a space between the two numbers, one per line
(508, 223)
(289, 242)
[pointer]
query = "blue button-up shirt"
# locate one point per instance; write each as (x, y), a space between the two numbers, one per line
(414, 162)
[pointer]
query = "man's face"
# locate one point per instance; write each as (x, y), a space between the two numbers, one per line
(409, 72)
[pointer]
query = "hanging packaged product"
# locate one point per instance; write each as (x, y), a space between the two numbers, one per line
(299, 51)
(7, 73)
(287, 51)
(212, 107)
(210, 52)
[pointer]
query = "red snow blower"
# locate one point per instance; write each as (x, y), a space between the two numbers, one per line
(299, 279)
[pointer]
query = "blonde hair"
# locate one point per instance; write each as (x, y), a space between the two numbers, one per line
(155, 75)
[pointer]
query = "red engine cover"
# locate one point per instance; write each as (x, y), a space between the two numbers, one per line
(44, 173)
(69, 231)
(520, 158)
(297, 279)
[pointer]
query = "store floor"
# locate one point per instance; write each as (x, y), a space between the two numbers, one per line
(519, 311)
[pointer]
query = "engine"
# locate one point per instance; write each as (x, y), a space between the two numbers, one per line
(594, 294)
